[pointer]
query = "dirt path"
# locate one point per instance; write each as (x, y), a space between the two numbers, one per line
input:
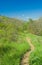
(25, 59)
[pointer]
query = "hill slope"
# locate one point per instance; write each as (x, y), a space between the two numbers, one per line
(35, 26)
(12, 41)
(13, 44)
(36, 55)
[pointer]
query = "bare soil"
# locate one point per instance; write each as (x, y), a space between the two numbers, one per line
(25, 59)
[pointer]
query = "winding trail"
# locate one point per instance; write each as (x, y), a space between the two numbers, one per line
(25, 59)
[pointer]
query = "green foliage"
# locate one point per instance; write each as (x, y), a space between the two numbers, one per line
(35, 27)
(36, 55)
(10, 29)
(12, 40)
(11, 53)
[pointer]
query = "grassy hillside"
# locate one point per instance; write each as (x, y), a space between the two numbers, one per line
(11, 53)
(34, 26)
(13, 44)
(10, 29)
(12, 41)
(36, 55)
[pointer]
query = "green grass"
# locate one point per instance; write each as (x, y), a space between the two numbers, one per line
(36, 55)
(11, 53)
(13, 44)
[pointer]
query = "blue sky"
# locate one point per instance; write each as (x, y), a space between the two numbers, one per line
(22, 9)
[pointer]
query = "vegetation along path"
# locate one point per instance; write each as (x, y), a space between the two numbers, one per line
(25, 59)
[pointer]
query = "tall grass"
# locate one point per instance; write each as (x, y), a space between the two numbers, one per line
(11, 53)
(36, 55)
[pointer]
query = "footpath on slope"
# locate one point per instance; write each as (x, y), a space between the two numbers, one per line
(25, 59)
